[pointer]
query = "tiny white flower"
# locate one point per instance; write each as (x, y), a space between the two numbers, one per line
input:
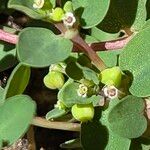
(82, 90)
(38, 4)
(69, 19)
(110, 91)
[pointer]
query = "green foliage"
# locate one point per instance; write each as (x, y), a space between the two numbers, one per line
(114, 141)
(15, 116)
(68, 94)
(7, 56)
(66, 43)
(93, 134)
(75, 71)
(92, 12)
(26, 6)
(110, 57)
(135, 58)
(124, 14)
(1, 95)
(55, 113)
(127, 117)
(42, 45)
(103, 36)
(17, 81)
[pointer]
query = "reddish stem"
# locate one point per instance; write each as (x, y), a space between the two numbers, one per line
(110, 45)
(89, 51)
(99, 46)
(8, 37)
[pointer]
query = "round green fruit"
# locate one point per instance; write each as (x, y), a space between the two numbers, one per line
(83, 112)
(111, 76)
(54, 80)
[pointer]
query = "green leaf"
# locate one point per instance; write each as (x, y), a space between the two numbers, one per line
(17, 81)
(7, 56)
(136, 59)
(26, 6)
(89, 74)
(69, 96)
(92, 11)
(103, 36)
(15, 117)
(1, 95)
(127, 117)
(39, 47)
(124, 14)
(55, 113)
(75, 71)
(110, 58)
(115, 142)
(93, 136)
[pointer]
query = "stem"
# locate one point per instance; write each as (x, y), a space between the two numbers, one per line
(77, 40)
(110, 45)
(98, 46)
(31, 138)
(8, 37)
(41, 122)
(89, 51)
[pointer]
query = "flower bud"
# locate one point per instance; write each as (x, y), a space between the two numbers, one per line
(57, 14)
(83, 112)
(54, 80)
(111, 76)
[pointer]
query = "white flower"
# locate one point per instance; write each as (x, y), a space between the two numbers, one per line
(69, 19)
(82, 90)
(38, 4)
(110, 91)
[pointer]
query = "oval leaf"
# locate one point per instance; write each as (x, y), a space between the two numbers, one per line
(7, 56)
(68, 94)
(136, 59)
(1, 95)
(39, 47)
(92, 11)
(26, 6)
(17, 81)
(124, 14)
(55, 113)
(127, 117)
(115, 142)
(15, 117)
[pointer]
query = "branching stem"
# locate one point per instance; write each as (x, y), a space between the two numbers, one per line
(79, 45)
(41, 122)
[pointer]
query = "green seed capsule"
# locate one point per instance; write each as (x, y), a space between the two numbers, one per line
(57, 14)
(111, 76)
(83, 112)
(54, 80)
